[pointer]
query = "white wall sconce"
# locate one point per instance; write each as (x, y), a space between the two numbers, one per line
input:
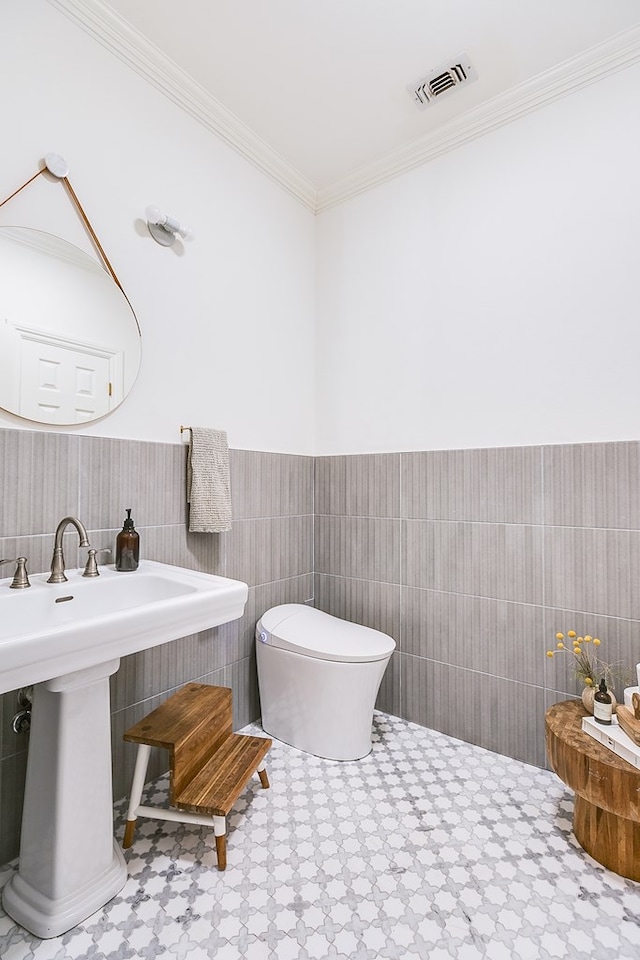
(164, 229)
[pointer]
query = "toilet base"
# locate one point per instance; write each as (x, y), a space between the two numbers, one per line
(322, 707)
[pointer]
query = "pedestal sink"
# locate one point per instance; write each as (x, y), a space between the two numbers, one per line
(67, 639)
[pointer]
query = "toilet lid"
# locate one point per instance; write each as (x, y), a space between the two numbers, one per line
(313, 633)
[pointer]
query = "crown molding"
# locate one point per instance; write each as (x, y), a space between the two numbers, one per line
(130, 46)
(602, 60)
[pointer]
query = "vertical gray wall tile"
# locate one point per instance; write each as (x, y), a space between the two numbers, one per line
(358, 486)
(500, 715)
(503, 561)
(496, 637)
(593, 485)
(39, 480)
(502, 485)
(361, 547)
(593, 570)
(270, 484)
(172, 543)
(276, 548)
(116, 474)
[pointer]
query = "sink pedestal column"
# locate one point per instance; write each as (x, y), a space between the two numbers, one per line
(70, 864)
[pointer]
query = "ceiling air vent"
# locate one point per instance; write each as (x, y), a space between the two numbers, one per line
(443, 80)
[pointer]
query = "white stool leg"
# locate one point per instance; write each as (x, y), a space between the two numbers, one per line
(137, 786)
(220, 831)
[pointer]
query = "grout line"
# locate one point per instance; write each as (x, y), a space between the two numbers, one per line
(481, 673)
(477, 596)
(479, 523)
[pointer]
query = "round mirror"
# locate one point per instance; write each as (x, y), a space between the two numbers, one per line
(69, 341)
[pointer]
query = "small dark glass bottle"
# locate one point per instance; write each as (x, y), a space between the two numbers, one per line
(127, 546)
(602, 704)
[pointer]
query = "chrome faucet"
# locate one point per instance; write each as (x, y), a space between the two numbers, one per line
(57, 560)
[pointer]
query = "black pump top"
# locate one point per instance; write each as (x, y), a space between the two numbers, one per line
(128, 524)
(603, 685)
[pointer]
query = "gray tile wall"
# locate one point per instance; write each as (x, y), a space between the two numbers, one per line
(46, 476)
(473, 560)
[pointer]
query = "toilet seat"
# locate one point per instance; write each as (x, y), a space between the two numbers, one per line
(313, 633)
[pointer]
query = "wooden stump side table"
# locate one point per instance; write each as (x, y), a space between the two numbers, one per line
(606, 813)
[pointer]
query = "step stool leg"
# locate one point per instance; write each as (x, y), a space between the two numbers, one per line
(262, 773)
(137, 786)
(220, 831)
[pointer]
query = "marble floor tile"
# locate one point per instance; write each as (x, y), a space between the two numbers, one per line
(428, 848)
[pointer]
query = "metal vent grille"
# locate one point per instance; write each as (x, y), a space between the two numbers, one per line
(443, 80)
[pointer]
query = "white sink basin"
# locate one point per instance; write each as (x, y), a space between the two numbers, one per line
(44, 635)
(70, 865)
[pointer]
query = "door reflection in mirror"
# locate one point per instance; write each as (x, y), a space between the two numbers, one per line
(69, 341)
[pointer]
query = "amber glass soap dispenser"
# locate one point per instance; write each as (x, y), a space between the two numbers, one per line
(127, 546)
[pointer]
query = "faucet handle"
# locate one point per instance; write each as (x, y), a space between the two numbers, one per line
(91, 568)
(20, 577)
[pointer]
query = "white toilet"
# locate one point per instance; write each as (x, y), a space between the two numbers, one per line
(319, 677)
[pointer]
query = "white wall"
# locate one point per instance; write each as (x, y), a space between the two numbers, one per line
(490, 297)
(228, 326)
(487, 298)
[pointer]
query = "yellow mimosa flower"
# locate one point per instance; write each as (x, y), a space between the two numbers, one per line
(559, 636)
(571, 633)
(560, 645)
(549, 653)
(596, 642)
(588, 681)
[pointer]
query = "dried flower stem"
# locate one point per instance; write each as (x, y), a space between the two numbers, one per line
(588, 666)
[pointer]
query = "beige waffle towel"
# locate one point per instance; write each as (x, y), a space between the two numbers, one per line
(208, 482)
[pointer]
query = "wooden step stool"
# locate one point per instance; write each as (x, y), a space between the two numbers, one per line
(209, 764)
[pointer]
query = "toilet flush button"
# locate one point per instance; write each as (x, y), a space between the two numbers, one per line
(263, 636)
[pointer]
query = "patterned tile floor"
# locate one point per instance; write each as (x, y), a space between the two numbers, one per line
(427, 848)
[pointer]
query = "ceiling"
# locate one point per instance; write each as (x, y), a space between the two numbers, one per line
(319, 87)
